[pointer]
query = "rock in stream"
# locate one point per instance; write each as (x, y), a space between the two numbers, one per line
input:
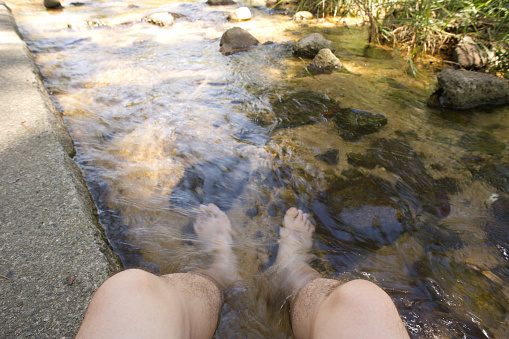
(466, 89)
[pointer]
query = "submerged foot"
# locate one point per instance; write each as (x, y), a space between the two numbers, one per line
(295, 242)
(214, 231)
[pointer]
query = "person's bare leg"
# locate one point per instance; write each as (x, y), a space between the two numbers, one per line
(137, 304)
(325, 308)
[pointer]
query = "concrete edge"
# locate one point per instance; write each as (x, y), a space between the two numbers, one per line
(62, 134)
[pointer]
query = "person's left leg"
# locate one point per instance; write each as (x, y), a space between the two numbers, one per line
(138, 304)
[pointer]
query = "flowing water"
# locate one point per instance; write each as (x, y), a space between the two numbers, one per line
(163, 122)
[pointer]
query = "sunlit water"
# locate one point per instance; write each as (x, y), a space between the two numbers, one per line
(163, 122)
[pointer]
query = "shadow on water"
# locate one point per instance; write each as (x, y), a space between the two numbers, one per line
(412, 198)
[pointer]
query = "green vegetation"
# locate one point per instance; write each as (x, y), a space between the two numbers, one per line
(429, 26)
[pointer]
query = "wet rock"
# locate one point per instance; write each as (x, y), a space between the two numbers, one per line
(219, 182)
(331, 156)
(324, 62)
(466, 89)
(236, 40)
(220, 2)
(353, 123)
(162, 19)
(303, 15)
(52, 4)
(362, 211)
(240, 14)
(309, 46)
(483, 142)
(301, 108)
(497, 174)
(469, 54)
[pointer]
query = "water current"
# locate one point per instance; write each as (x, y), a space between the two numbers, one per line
(163, 122)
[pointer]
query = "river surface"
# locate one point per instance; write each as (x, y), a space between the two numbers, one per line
(163, 122)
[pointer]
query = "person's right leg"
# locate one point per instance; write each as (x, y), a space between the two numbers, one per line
(326, 308)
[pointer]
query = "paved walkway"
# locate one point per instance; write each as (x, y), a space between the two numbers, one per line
(53, 253)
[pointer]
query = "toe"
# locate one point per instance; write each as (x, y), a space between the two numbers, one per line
(214, 209)
(292, 213)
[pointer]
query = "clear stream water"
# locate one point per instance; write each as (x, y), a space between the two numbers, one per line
(163, 122)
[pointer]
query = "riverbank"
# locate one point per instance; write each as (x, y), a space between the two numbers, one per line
(53, 250)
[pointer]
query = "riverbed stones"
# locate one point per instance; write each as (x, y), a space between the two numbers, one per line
(303, 15)
(220, 2)
(162, 19)
(469, 54)
(324, 62)
(353, 123)
(240, 14)
(467, 89)
(310, 45)
(236, 40)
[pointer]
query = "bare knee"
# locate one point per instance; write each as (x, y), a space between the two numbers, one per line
(358, 308)
(360, 293)
(132, 280)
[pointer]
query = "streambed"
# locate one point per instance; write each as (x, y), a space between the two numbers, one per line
(163, 122)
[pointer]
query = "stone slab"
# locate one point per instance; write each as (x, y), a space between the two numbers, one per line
(53, 251)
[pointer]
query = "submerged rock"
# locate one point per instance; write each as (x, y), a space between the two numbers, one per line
(162, 19)
(497, 174)
(331, 156)
(417, 187)
(324, 62)
(364, 210)
(483, 142)
(466, 89)
(469, 54)
(301, 108)
(236, 40)
(240, 14)
(310, 45)
(303, 15)
(354, 123)
(219, 182)
(220, 2)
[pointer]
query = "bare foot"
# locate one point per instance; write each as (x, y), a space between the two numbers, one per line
(214, 231)
(296, 240)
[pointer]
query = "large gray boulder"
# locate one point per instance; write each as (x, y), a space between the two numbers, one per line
(324, 62)
(236, 40)
(466, 89)
(309, 46)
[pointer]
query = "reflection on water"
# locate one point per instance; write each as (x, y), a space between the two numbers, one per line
(413, 199)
